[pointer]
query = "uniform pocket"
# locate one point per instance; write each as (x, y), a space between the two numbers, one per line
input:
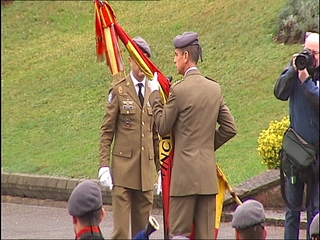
(122, 151)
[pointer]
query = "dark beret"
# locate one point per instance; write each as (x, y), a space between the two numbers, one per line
(85, 198)
(143, 45)
(314, 226)
(186, 39)
(248, 214)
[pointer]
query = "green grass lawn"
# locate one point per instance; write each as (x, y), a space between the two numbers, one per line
(54, 93)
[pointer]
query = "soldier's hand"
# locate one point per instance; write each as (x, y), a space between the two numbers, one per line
(159, 185)
(105, 177)
(154, 84)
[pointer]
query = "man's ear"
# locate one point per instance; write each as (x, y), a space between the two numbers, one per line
(103, 214)
(237, 234)
(265, 233)
(186, 56)
(74, 220)
(130, 60)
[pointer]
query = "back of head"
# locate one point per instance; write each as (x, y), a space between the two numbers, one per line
(189, 41)
(85, 198)
(314, 227)
(248, 220)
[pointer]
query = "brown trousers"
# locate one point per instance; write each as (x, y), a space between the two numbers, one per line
(199, 210)
(129, 202)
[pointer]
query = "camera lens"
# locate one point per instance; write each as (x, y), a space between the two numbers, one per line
(301, 62)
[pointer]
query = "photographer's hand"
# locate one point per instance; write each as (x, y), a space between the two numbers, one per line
(303, 75)
(294, 60)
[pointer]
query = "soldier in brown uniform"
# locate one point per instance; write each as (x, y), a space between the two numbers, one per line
(129, 123)
(201, 123)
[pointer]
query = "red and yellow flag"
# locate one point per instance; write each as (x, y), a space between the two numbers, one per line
(223, 187)
(107, 41)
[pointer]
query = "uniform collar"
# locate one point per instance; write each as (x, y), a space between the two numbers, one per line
(189, 69)
(92, 229)
(135, 81)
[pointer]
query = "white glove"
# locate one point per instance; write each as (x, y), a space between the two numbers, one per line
(154, 84)
(105, 177)
(159, 185)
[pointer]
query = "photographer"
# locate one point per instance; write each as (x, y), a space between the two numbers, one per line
(298, 83)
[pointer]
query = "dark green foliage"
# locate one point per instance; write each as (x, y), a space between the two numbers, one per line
(295, 19)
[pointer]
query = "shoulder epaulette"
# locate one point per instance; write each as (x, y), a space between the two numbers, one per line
(177, 82)
(210, 79)
(115, 83)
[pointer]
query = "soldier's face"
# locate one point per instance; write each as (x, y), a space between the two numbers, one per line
(179, 60)
(136, 71)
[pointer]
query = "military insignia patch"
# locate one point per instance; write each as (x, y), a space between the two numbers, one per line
(110, 97)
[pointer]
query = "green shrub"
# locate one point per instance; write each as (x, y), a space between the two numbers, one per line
(295, 19)
(270, 142)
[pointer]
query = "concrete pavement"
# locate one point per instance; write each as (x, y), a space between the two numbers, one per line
(23, 221)
(34, 206)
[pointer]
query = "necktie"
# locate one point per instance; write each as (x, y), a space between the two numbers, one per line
(140, 93)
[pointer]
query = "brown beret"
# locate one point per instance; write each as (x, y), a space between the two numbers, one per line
(186, 39)
(85, 198)
(143, 45)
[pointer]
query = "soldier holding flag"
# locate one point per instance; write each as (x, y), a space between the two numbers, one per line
(201, 123)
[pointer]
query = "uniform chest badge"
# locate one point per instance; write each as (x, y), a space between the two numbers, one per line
(128, 104)
(120, 90)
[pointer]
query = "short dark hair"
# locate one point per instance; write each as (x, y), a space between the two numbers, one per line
(91, 219)
(194, 52)
(253, 232)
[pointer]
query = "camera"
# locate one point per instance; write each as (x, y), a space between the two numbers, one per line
(305, 59)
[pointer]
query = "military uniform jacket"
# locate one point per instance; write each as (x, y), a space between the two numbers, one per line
(194, 107)
(131, 127)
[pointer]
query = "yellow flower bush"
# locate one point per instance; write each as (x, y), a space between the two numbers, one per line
(270, 142)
